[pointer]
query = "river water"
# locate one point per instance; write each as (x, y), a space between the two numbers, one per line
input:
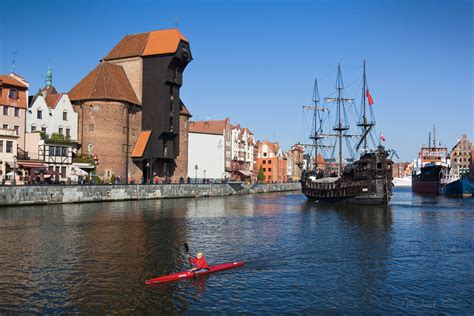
(416, 256)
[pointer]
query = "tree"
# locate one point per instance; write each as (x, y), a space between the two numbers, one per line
(260, 175)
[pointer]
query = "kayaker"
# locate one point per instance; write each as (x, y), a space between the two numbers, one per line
(199, 263)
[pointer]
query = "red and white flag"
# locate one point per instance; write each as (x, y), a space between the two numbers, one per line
(382, 138)
(369, 97)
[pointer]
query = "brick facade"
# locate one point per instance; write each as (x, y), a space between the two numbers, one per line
(460, 155)
(103, 134)
(181, 161)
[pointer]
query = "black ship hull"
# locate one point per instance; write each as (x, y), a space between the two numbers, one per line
(428, 180)
(362, 195)
(367, 181)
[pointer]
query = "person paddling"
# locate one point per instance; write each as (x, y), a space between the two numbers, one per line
(199, 263)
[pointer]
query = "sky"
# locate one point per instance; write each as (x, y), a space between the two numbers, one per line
(255, 61)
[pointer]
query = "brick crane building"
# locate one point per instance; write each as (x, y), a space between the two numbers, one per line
(131, 117)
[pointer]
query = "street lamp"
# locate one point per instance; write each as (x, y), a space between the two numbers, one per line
(14, 170)
(196, 168)
(204, 181)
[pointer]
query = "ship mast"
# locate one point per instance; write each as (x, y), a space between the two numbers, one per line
(340, 128)
(316, 136)
(365, 124)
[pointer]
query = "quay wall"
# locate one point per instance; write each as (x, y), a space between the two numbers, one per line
(32, 195)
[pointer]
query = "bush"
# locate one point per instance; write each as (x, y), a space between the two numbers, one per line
(260, 175)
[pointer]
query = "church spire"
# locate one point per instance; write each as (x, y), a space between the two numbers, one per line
(49, 77)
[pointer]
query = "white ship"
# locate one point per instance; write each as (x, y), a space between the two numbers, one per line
(402, 182)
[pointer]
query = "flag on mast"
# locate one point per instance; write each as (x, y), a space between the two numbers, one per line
(382, 138)
(369, 97)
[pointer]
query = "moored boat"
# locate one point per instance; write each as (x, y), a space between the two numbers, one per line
(462, 187)
(402, 181)
(367, 180)
(430, 165)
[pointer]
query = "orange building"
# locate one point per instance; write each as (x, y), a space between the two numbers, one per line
(272, 161)
(14, 101)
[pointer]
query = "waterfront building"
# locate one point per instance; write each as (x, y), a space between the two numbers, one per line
(51, 112)
(471, 166)
(14, 101)
(272, 161)
(243, 143)
(209, 153)
(460, 155)
(131, 117)
(8, 158)
(295, 162)
(401, 169)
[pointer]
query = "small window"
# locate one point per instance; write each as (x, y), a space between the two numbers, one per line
(64, 151)
(60, 131)
(270, 169)
(16, 128)
(264, 169)
(68, 132)
(13, 94)
(63, 172)
(33, 128)
(5, 110)
(43, 129)
(264, 162)
(91, 127)
(9, 148)
(1, 146)
(65, 116)
(39, 114)
(17, 112)
(52, 150)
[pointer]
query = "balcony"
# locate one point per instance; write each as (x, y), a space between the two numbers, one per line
(8, 132)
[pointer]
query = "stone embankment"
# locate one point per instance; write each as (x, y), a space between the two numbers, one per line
(31, 195)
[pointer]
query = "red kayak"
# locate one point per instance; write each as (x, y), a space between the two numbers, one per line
(190, 274)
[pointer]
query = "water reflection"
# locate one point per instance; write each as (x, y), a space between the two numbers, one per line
(301, 255)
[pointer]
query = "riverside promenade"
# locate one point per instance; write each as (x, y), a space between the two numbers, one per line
(37, 195)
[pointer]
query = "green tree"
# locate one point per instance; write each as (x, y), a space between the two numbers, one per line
(260, 175)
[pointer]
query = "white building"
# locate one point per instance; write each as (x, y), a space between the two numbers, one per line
(206, 155)
(51, 112)
(243, 144)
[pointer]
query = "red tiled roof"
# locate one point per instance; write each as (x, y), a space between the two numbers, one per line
(216, 127)
(48, 90)
(106, 82)
(140, 144)
(163, 42)
(129, 46)
(52, 100)
(7, 80)
(147, 44)
(184, 110)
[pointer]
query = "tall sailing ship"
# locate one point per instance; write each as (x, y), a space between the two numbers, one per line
(367, 180)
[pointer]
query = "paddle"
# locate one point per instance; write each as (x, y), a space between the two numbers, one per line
(186, 249)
